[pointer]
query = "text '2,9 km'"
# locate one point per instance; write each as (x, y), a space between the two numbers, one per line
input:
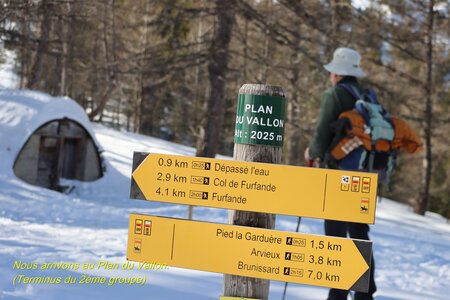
(326, 194)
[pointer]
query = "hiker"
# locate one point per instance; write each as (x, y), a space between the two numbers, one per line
(343, 69)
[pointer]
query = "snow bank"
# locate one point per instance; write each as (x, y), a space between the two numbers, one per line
(412, 252)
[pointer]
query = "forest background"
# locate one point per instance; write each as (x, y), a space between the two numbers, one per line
(172, 68)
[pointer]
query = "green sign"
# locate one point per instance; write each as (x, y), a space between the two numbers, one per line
(260, 120)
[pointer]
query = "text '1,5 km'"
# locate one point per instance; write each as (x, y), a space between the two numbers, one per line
(277, 189)
(253, 252)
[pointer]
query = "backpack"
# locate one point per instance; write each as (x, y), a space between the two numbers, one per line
(364, 137)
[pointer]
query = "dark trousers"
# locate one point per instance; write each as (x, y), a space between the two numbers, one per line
(355, 231)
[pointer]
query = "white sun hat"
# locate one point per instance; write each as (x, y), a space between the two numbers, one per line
(345, 62)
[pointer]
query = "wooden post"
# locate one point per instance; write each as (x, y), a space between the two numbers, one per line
(238, 286)
(190, 212)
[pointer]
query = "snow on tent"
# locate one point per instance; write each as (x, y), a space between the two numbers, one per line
(44, 139)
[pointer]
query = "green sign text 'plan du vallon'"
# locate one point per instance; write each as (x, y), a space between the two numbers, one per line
(260, 120)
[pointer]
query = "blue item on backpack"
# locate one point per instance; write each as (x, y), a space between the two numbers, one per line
(374, 114)
(380, 127)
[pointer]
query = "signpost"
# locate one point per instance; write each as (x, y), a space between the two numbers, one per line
(256, 150)
(253, 252)
(268, 188)
(254, 188)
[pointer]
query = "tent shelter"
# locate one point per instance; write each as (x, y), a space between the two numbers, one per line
(44, 139)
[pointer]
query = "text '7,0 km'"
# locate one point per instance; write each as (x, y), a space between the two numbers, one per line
(253, 252)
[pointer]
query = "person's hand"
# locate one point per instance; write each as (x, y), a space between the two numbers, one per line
(314, 163)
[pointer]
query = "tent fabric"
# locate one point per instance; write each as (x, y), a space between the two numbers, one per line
(22, 112)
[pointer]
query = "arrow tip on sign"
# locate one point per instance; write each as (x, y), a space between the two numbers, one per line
(365, 249)
(135, 191)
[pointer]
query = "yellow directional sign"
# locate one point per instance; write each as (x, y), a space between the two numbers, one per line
(269, 188)
(251, 252)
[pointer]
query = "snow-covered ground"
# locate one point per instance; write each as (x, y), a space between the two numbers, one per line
(412, 253)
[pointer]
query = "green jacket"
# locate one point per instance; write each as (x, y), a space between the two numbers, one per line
(335, 101)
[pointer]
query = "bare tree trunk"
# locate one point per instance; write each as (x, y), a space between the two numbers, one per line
(25, 52)
(245, 65)
(71, 31)
(109, 58)
(36, 78)
(58, 87)
(146, 107)
(198, 91)
(217, 69)
(268, 40)
(66, 40)
(294, 137)
(422, 204)
(333, 32)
